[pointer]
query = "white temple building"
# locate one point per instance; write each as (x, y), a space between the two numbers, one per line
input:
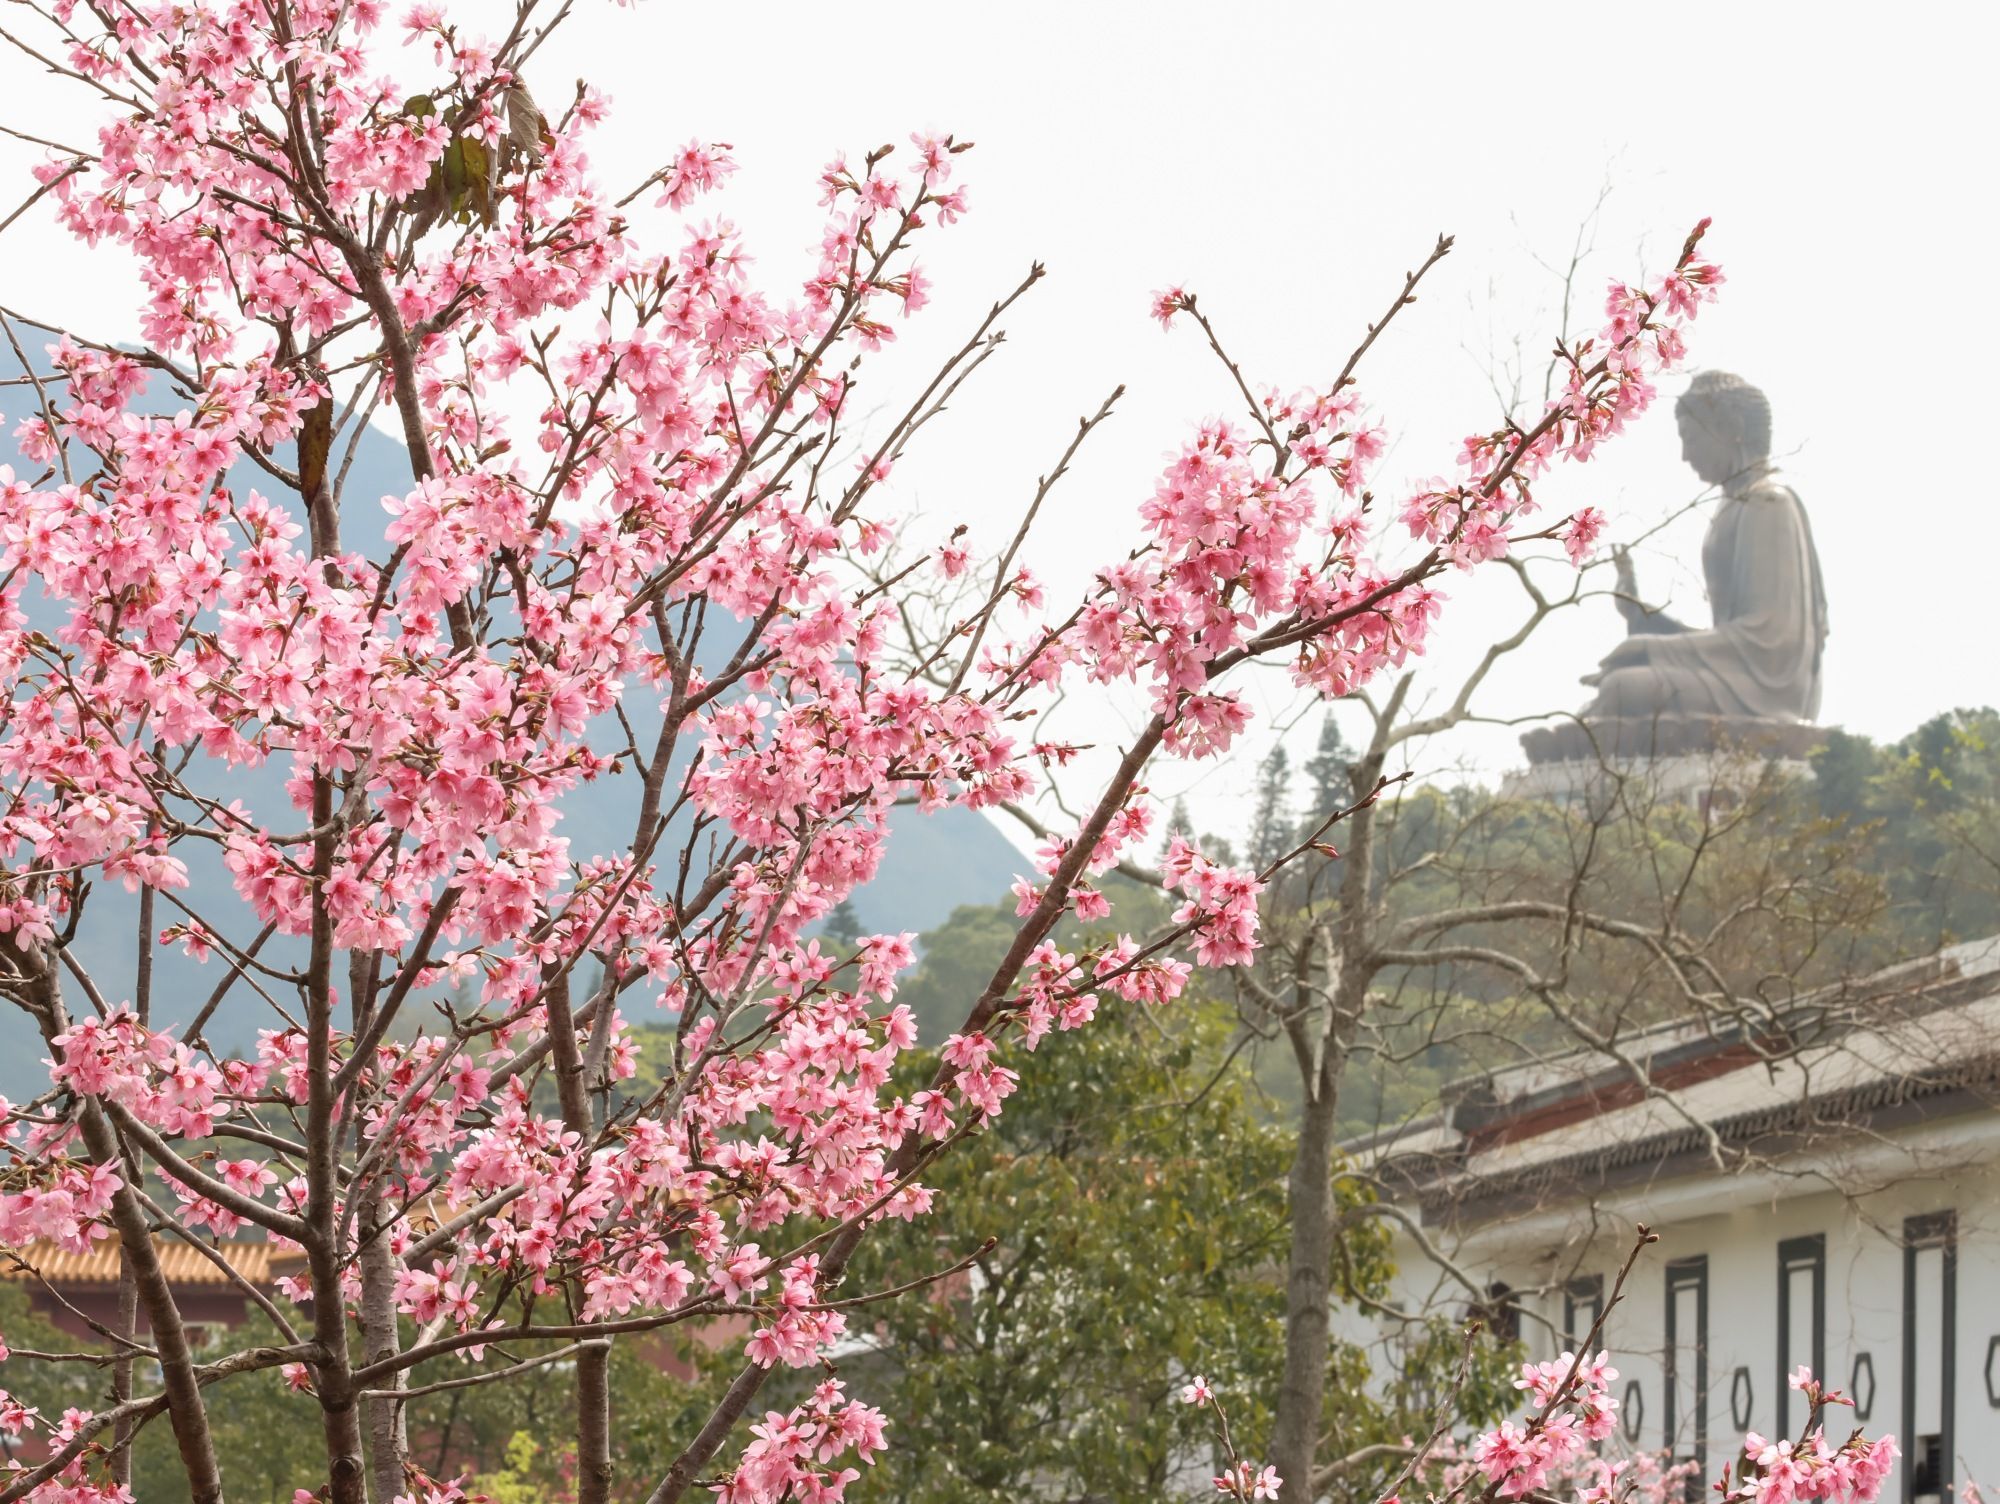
(1825, 1185)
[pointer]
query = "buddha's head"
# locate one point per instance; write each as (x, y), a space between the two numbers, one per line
(1725, 427)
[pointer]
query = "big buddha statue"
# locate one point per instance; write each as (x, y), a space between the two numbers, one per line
(1759, 663)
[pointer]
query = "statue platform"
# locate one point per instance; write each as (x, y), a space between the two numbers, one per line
(1690, 760)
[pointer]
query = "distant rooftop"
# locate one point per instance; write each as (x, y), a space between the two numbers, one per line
(1912, 1043)
(258, 1262)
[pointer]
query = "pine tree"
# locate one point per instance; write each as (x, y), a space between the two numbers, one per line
(843, 925)
(1328, 768)
(1271, 826)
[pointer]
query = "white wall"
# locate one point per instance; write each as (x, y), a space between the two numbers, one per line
(1738, 1224)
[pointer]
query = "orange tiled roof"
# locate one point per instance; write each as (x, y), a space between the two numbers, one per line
(257, 1261)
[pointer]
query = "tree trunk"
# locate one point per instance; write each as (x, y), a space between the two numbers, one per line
(383, 1419)
(185, 1411)
(593, 1364)
(340, 1411)
(388, 1434)
(339, 1414)
(121, 1370)
(1302, 1390)
(1321, 1037)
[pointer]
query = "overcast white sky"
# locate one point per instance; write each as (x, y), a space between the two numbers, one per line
(1290, 162)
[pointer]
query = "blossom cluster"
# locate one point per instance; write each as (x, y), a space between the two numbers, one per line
(1778, 1472)
(1221, 904)
(1813, 1467)
(1244, 1481)
(1608, 382)
(1554, 1450)
(1573, 1408)
(793, 1453)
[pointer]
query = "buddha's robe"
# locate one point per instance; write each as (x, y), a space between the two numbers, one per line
(1762, 658)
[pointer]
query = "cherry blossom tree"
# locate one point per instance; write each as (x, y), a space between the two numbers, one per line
(632, 546)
